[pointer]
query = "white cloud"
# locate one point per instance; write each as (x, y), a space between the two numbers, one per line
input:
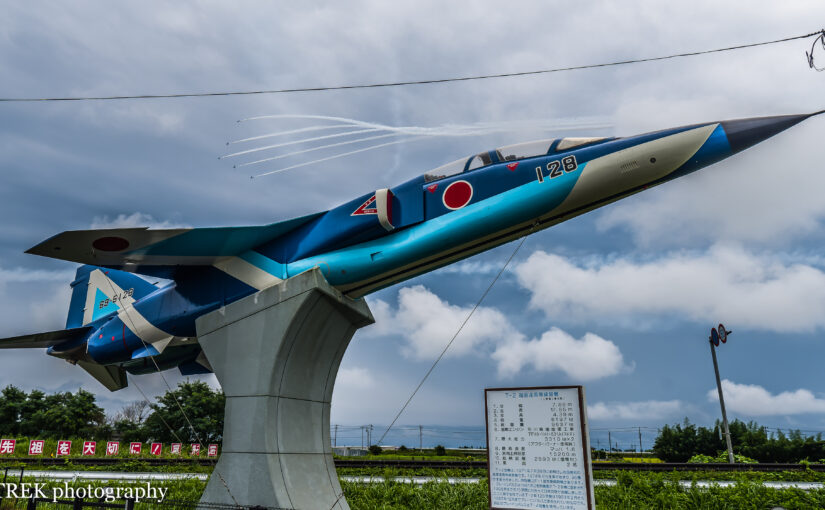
(354, 378)
(646, 410)
(134, 220)
(725, 283)
(589, 358)
(754, 400)
(473, 267)
(45, 305)
(376, 394)
(23, 275)
(427, 323)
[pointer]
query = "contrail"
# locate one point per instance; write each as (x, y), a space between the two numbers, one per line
(405, 133)
(291, 132)
(295, 142)
(348, 142)
(371, 147)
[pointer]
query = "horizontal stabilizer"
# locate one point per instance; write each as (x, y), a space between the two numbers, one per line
(110, 376)
(42, 340)
(125, 247)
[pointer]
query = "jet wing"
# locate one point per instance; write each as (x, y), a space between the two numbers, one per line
(124, 247)
(112, 377)
(42, 340)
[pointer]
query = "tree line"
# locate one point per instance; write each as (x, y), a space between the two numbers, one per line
(191, 413)
(680, 442)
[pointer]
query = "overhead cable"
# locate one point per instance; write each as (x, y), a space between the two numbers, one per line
(411, 82)
(810, 56)
(460, 328)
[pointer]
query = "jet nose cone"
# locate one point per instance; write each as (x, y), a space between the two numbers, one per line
(743, 133)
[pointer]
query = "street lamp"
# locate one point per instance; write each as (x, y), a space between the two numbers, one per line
(716, 336)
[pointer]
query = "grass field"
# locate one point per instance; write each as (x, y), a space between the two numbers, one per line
(633, 490)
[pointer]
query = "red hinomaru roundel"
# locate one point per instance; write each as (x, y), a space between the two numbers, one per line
(457, 195)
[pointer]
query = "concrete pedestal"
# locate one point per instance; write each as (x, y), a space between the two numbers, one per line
(276, 354)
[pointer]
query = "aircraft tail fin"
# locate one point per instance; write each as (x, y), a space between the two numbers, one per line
(97, 292)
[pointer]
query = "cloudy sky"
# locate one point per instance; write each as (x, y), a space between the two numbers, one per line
(620, 300)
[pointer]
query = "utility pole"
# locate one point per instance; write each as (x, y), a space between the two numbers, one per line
(640, 439)
(715, 337)
(335, 437)
(609, 443)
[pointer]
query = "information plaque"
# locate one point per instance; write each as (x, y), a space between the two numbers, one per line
(538, 449)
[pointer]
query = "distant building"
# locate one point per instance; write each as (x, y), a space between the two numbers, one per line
(349, 451)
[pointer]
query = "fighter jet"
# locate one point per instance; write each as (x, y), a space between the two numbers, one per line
(121, 320)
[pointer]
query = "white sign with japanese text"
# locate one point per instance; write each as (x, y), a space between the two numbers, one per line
(538, 449)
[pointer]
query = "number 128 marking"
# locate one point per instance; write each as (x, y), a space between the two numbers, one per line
(568, 164)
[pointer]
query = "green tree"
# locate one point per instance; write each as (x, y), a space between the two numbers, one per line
(31, 414)
(195, 401)
(129, 423)
(64, 415)
(678, 443)
(12, 401)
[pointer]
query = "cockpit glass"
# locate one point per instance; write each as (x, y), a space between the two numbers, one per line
(572, 143)
(479, 161)
(507, 153)
(447, 170)
(525, 150)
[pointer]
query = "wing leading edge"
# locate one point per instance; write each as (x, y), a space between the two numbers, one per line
(125, 247)
(43, 340)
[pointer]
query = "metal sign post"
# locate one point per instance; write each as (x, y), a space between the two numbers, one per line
(715, 338)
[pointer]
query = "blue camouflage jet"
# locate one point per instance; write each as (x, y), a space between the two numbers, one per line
(121, 322)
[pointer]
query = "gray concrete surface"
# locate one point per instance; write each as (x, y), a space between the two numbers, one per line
(276, 354)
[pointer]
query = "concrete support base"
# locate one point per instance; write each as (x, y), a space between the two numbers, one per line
(276, 354)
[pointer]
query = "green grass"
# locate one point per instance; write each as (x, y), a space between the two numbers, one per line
(124, 465)
(177, 490)
(432, 495)
(651, 490)
(634, 490)
(737, 476)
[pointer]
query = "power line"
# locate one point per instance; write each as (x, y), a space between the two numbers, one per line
(460, 328)
(171, 392)
(411, 82)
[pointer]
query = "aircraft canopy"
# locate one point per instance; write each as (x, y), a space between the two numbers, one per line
(507, 153)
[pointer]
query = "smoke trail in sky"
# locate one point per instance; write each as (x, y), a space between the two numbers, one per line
(371, 147)
(348, 142)
(354, 127)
